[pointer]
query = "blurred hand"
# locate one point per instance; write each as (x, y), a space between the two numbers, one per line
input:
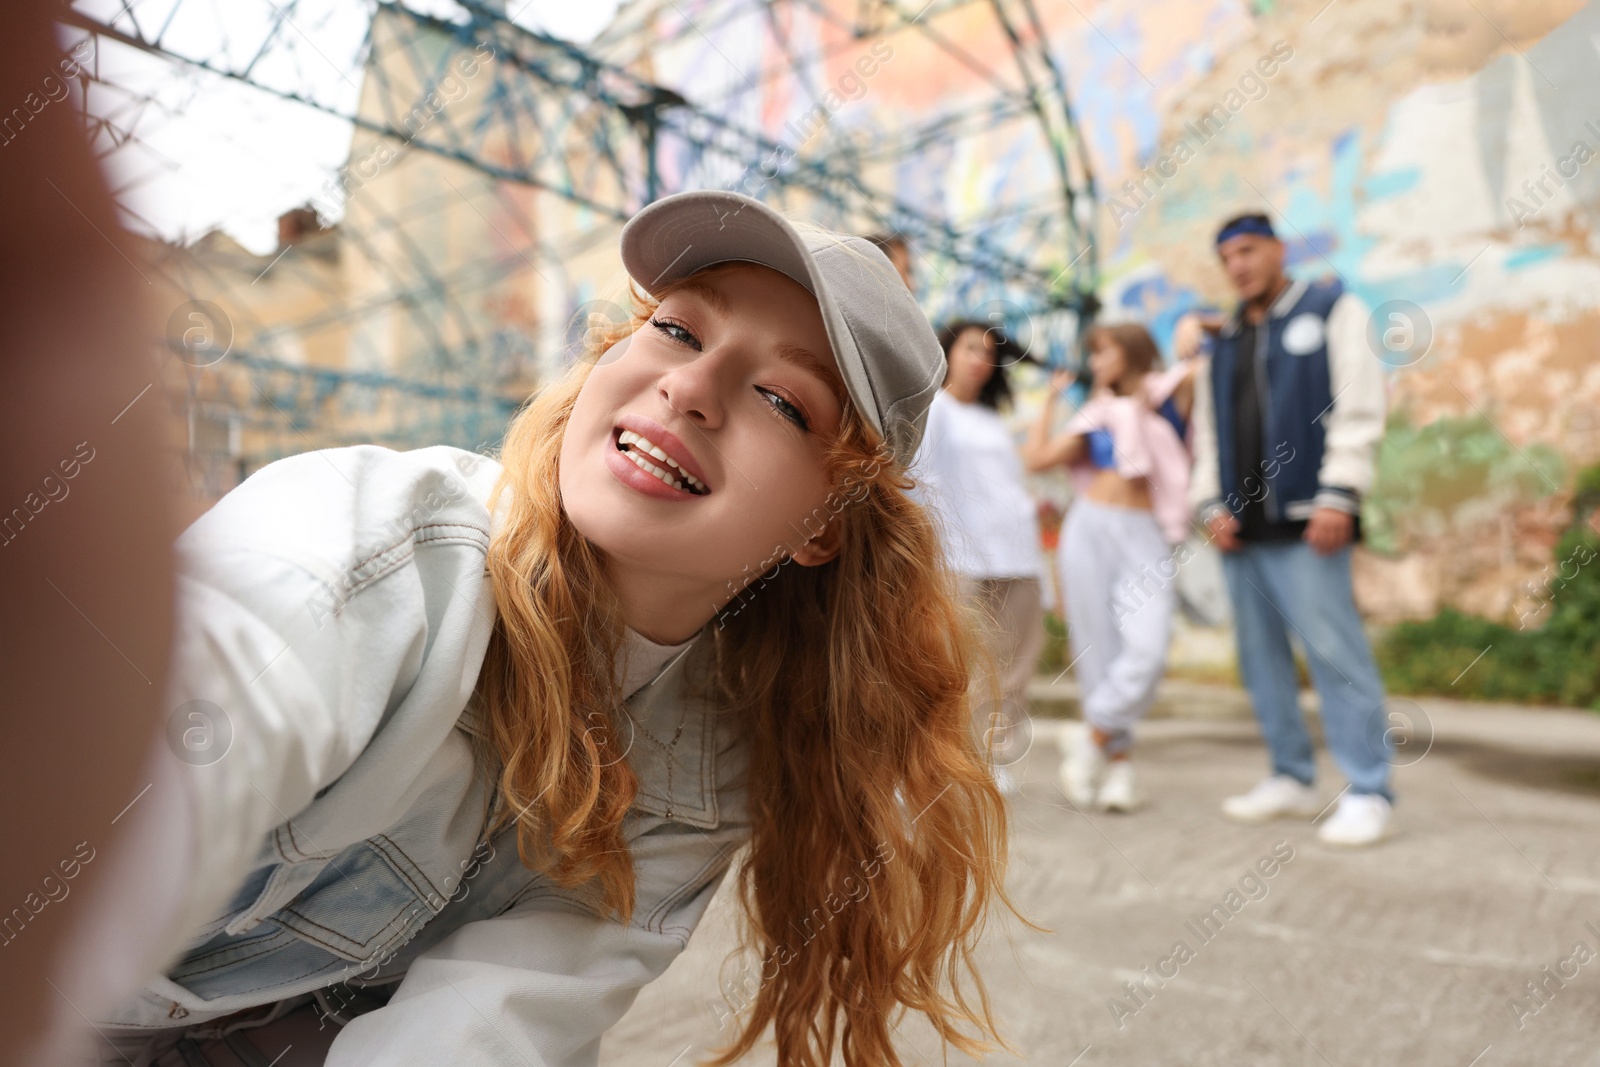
(1061, 381)
(82, 713)
(1329, 530)
(1191, 331)
(1224, 530)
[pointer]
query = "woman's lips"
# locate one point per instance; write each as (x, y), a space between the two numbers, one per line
(629, 474)
(664, 439)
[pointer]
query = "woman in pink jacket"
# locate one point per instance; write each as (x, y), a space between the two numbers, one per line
(1125, 453)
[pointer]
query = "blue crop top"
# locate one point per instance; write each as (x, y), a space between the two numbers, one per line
(1103, 451)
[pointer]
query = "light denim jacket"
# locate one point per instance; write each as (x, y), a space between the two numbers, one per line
(334, 611)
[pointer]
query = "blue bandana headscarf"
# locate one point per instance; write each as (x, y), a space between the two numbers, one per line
(1239, 227)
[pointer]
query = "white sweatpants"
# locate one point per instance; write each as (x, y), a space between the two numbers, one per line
(1120, 587)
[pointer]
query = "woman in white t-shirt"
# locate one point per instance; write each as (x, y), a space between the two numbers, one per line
(970, 475)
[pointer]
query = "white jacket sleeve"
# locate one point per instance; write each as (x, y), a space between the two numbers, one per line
(1353, 424)
(1205, 480)
(298, 634)
(262, 736)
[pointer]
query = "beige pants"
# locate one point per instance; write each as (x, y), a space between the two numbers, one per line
(1010, 618)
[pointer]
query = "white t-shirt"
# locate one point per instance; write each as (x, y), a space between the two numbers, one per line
(640, 660)
(970, 476)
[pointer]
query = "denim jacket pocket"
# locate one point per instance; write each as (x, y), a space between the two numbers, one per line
(283, 883)
(363, 909)
(359, 908)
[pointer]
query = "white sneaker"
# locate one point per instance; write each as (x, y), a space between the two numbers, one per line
(1273, 798)
(1005, 780)
(1080, 770)
(1116, 791)
(1360, 819)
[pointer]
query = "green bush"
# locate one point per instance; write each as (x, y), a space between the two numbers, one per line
(1053, 656)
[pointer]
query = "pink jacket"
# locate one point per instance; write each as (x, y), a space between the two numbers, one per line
(1146, 447)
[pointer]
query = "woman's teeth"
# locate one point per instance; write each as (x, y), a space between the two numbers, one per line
(637, 448)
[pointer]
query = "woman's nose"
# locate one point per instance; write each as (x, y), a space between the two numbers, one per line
(695, 389)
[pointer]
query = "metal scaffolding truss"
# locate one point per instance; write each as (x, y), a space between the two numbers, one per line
(590, 127)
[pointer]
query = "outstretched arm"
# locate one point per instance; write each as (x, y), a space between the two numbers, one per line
(1042, 449)
(84, 544)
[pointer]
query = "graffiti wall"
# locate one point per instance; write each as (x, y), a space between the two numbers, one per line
(1439, 158)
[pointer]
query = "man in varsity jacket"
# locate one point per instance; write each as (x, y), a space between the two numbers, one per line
(1286, 423)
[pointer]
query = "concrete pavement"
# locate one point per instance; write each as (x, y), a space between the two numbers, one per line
(1419, 951)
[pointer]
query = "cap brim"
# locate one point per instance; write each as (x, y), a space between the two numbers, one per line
(680, 234)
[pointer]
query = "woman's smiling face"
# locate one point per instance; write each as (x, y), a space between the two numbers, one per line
(734, 381)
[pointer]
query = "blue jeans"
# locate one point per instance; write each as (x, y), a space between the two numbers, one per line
(1279, 587)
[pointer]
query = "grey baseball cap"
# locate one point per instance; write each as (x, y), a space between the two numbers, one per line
(887, 353)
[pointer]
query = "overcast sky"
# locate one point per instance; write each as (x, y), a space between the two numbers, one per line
(208, 152)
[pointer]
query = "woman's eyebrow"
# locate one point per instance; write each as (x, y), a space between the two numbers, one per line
(803, 358)
(710, 294)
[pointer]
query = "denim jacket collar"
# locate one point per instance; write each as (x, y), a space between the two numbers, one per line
(670, 735)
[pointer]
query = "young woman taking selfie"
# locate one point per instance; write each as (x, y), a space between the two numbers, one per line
(495, 730)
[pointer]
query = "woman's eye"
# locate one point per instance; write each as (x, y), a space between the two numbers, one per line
(677, 332)
(785, 408)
